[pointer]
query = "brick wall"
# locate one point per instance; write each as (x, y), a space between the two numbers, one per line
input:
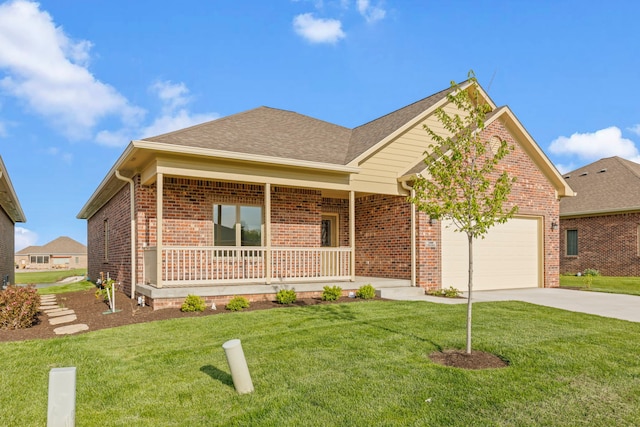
(296, 217)
(116, 213)
(383, 237)
(534, 195)
(608, 243)
(7, 249)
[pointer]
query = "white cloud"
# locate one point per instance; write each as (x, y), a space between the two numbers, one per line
(57, 153)
(46, 70)
(318, 30)
(370, 13)
(635, 129)
(174, 98)
(24, 237)
(594, 146)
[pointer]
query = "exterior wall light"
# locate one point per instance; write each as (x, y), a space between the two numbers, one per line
(554, 226)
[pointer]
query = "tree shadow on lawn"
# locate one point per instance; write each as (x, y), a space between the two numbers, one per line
(456, 358)
(217, 374)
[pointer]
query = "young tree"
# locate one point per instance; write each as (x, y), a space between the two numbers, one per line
(463, 182)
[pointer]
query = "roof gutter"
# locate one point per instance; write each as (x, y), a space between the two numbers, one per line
(133, 229)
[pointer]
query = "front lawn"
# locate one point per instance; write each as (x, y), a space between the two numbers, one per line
(616, 285)
(49, 276)
(359, 364)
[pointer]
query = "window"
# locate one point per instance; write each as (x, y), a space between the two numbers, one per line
(329, 230)
(572, 243)
(39, 259)
(106, 239)
(236, 225)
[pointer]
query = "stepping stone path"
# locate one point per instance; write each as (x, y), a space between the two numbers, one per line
(60, 315)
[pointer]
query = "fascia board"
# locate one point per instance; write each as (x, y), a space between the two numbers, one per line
(18, 215)
(206, 152)
(601, 212)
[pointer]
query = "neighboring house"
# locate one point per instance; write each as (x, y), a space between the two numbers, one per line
(267, 198)
(11, 212)
(600, 226)
(63, 252)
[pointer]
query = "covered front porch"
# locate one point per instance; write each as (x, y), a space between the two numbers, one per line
(220, 294)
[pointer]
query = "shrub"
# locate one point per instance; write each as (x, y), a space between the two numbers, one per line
(104, 288)
(237, 304)
(18, 307)
(193, 303)
(449, 292)
(366, 292)
(589, 274)
(331, 293)
(286, 296)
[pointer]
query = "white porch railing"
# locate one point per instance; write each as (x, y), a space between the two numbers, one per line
(184, 266)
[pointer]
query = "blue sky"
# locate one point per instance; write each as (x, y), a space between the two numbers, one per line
(80, 79)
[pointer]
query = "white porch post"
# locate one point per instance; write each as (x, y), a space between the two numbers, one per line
(267, 230)
(352, 233)
(159, 203)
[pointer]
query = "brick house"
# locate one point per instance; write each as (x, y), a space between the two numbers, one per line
(600, 226)
(10, 213)
(266, 198)
(60, 253)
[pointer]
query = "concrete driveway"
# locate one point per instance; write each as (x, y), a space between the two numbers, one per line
(617, 306)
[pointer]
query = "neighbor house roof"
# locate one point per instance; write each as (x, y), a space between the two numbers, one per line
(607, 186)
(61, 246)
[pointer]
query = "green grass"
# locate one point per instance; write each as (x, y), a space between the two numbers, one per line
(70, 287)
(47, 276)
(357, 364)
(617, 285)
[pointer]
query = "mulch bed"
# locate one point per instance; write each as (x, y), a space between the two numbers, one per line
(475, 360)
(90, 311)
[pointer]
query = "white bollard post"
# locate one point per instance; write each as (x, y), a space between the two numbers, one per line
(238, 366)
(61, 411)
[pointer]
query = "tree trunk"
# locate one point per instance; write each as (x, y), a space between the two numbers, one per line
(470, 285)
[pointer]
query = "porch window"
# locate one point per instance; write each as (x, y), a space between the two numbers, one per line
(572, 243)
(237, 225)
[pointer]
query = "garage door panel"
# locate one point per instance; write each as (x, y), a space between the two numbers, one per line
(508, 256)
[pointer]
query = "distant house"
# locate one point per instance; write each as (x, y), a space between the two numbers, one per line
(11, 212)
(600, 226)
(249, 202)
(63, 252)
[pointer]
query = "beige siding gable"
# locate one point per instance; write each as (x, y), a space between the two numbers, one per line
(380, 171)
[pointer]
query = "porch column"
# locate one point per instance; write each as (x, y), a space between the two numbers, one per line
(352, 232)
(159, 203)
(267, 230)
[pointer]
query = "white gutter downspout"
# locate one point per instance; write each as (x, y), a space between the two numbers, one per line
(133, 230)
(413, 233)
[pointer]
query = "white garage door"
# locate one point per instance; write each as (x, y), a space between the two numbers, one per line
(508, 257)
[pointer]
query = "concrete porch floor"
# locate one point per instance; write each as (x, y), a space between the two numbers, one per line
(257, 288)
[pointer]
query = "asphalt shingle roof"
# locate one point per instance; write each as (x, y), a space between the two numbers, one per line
(62, 246)
(610, 184)
(285, 134)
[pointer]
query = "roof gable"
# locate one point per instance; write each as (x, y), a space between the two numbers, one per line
(611, 184)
